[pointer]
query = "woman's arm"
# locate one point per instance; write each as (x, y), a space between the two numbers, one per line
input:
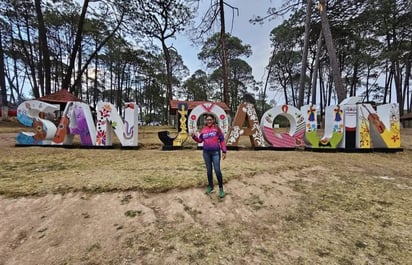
(222, 142)
(197, 138)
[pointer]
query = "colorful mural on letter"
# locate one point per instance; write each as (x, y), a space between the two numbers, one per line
(182, 132)
(290, 139)
(76, 120)
(350, 125)
(245, 112)
(384, 125)
(333, 131)
(32, 114)
(109, 120)
(208, 107)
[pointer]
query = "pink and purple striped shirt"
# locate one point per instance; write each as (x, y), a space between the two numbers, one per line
(212, 138)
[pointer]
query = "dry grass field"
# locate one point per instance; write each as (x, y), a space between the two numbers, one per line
(147, 206)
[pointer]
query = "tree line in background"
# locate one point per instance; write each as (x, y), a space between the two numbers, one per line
(118, 51)
(367, 52)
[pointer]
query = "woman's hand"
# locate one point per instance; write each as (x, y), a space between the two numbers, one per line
(223, 156)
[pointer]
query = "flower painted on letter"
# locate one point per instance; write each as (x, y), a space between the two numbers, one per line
(101, 138)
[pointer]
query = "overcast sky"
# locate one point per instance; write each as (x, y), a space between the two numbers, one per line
(257, 36)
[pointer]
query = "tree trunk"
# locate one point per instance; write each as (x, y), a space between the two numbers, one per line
(285, 91)
(367, 83)
(292, 87)
(76, 89)
(354, 82)
(44, 50)
(406, 85)
(78, 79)
(169, 91)
(388, 81)
(95, 83)
(398, 86)
(267, 81)
(340, 90)
(16, 85)
(321, 97)
(305, 54)
(316, 69)
(224, 54)
(29, 54)
(66, 81)
(330, 91)
(3, 90)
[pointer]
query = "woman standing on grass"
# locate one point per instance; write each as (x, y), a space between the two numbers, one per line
(213, 142)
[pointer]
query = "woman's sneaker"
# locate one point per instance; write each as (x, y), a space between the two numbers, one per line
(221, 193)
(209, 190)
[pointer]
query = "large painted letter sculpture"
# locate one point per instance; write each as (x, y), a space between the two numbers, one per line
(31, 114)
(354, 125)
(291, 139)
(366, 129)
(208, 107)
(182, 133)
(350, 118)
(82, 124)
(108, 119)
(245, 112)
(177, 142)
(77, 119)
(61, 136)
(383, 127)
(333, 132)
(351, 125)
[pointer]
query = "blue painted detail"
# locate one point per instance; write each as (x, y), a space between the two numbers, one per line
(22, 138)
(25, 120)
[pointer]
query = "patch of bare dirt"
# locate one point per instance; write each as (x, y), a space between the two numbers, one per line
(95, 229)
(7, 139)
